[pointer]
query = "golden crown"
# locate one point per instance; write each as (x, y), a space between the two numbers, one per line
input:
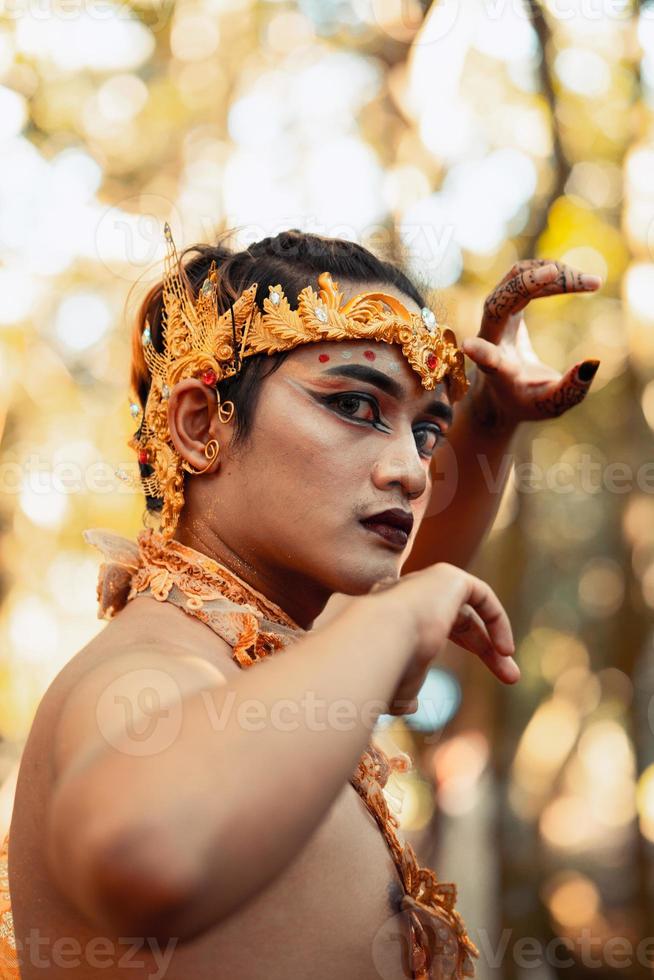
(200, 342)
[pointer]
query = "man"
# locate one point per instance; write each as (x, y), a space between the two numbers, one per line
(166, 793)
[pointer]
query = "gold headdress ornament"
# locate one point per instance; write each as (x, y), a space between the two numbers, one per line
(201, 342)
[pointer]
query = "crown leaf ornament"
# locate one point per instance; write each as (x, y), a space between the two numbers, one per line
(201, 342)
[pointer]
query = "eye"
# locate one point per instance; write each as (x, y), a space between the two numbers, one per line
(428, 437)
(435, 436)
(350, 402)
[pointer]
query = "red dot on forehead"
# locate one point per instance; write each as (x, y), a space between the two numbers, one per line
(370, 354)
(323, 357)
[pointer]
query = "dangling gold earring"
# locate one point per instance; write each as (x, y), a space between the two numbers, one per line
(210, 451)
(225, 413)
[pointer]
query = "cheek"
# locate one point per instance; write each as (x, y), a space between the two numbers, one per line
(316, 451)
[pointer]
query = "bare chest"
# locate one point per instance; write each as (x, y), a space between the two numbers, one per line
(332, 913)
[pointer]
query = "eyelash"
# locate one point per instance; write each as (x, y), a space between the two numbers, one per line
(331, 399)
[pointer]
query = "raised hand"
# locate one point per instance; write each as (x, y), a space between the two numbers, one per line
(512, 384)
(444, 602)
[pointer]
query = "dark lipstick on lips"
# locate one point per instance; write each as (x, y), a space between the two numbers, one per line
(393, 525)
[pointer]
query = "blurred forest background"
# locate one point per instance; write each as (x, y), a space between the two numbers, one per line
(456, 137)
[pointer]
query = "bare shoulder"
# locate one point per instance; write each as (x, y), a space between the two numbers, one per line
(145, 659)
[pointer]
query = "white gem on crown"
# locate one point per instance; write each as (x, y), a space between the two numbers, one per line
(275, 297)
(321, 314)
(428, 318)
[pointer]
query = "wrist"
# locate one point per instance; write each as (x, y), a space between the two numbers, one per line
(391, 620)
(487, 417)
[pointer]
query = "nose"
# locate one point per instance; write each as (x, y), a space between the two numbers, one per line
(400, 463)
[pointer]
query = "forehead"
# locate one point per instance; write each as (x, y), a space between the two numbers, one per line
(323, 358)
(346, 362)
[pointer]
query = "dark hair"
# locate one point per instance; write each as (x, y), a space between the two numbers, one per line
(294, 259)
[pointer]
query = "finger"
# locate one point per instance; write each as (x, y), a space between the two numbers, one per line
(569, 280)
(572, 280)
(524, 264)
(570, 390)
(504, 668)
(470, 633)
(532, 280)
(512, 296)
(403, 707)
(484, 601)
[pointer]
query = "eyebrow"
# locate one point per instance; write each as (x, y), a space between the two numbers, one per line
(360, 372)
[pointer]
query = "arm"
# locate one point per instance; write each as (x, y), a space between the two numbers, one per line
(173, 831)
(478, 459)
(509, 386)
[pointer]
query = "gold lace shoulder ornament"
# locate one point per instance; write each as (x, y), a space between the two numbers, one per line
(201, 342)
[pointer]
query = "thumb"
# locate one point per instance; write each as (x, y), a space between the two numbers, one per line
(485, 355)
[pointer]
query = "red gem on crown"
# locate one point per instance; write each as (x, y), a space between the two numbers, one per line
(432, 361)
(209, 377)
(144, 456)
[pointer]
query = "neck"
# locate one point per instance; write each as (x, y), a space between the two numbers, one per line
(290, 591)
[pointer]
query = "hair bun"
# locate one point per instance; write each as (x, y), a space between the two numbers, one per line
(290, 240)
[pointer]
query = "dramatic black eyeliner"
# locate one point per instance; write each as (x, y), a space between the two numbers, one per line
(376, 422)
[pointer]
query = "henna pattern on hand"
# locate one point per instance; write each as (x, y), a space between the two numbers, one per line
(516, 285)
(486, 412)
(509, 297)
(570, 394)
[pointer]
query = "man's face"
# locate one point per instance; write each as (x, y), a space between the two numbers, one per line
(342, 431)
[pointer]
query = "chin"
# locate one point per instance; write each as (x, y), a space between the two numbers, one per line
(361, 580)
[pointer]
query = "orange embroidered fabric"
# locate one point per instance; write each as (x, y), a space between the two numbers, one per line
(8, 956)
(256, 627)
(202, 587)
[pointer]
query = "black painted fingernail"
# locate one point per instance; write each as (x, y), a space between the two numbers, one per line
(588, 370)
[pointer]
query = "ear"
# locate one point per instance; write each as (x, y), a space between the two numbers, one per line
(193, 421)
